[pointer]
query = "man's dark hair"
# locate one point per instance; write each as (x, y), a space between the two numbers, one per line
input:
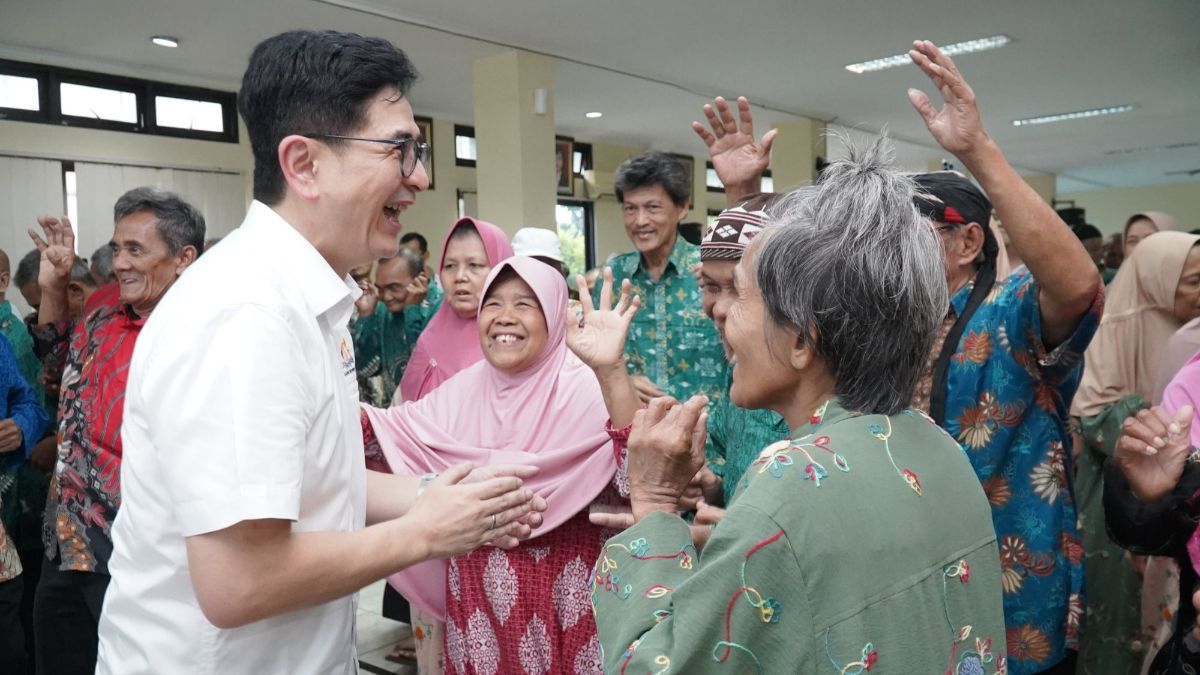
(179, 223)
(81, 273)
(27, 269)
(1087, 231)
(422, 242)
(653, 168)
(312, 82)
(102, 262)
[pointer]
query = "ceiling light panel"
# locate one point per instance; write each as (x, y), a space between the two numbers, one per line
(968, 47)
(1076, 115)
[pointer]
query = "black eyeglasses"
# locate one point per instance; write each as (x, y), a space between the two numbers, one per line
(410, 150)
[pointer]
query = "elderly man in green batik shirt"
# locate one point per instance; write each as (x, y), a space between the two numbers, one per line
(672, 348)
(392, 312)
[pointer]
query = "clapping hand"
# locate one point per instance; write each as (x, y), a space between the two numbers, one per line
(417, 289)
(58, 252)
(599, 338)
(738, 160)
(367, 301)
(957, 127)
(456, 517)
(666, 449)
(1153, 449)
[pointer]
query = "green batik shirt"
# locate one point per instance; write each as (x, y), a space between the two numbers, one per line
(671, 341)
(736, 436)
(383, 343)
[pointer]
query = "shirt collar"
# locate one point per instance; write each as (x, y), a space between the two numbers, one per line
(677, 260)
(319, 286)
(958, 303)
(829, 412)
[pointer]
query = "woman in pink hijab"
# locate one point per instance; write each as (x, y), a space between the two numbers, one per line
(450, 342)
(530, 400)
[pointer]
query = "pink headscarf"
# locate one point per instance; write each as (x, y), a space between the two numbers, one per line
(551, 415)
(450, 343)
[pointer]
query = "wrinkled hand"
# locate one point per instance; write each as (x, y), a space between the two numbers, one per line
(58, 252)
(1153, 449)
(44, 454)
(454, 518)
(11, 436)
(707, 517)
(666, 449)
(1196, 604)
(705, 487)
(646, 390)
(368, 300)
(738, 160)
(957, 127)
(599, 340)
(418, 290)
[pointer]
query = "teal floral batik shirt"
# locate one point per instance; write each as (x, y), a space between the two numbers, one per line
(383, 343)
(1007, 405)
(671, 341)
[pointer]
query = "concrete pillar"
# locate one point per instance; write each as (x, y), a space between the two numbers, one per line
(514, 143)
(794, 155)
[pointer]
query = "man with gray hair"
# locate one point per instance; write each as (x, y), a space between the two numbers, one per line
(388, 324)
(1005, 366)
(156, 235)
(672, 348)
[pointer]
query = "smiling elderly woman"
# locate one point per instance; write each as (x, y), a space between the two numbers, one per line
(864, 538)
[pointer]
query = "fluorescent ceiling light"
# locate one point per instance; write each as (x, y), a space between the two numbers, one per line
(593, 115)
(1077, 115)
(165, 41)
(955, 49)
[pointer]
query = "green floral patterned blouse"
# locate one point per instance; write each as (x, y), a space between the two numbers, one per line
(864, 544)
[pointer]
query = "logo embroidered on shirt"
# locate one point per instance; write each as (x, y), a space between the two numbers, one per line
(347, 355)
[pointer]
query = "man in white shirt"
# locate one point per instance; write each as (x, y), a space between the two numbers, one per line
(248, 519)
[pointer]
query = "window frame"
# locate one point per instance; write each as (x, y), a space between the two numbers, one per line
(465, 131)
(589, 228)
(145, 92)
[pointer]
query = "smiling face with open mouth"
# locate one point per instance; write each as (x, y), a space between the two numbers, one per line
(512, 327)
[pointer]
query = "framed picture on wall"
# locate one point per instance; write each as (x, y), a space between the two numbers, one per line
(426, 126)
(689, 165)
(564, 164)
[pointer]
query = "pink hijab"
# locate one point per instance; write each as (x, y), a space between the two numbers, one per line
(551, 415)
(450, 343)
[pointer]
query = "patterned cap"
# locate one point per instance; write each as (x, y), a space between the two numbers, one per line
(735, 227)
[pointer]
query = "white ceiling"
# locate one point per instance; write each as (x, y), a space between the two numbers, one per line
(650, 65)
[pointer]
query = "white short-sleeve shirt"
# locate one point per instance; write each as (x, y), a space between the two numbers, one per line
(242, 404)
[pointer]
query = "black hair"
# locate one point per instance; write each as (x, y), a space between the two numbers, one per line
(422, 242)
(653, 168)
(312, 82)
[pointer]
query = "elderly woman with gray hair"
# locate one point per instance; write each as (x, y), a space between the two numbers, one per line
(862, 539)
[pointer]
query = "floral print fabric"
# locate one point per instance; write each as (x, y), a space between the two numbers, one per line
(1007, 406)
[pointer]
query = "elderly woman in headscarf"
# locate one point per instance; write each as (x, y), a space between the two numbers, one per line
(1156, 292)
(864, 538)
(1142, 225)
(447, 344)
(529, 401)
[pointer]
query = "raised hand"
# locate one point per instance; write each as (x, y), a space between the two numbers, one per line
(417, 289)
(738, 160)
(957, 127)
(1153, 449)
(58, 252)
(456, 517)
(666, 449)
(368, 300)
(599, 338)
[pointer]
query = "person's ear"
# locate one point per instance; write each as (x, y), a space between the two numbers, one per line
(186, 256)
(972, 238)
(298, 160)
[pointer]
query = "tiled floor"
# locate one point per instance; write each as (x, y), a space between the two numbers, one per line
(377, 635)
